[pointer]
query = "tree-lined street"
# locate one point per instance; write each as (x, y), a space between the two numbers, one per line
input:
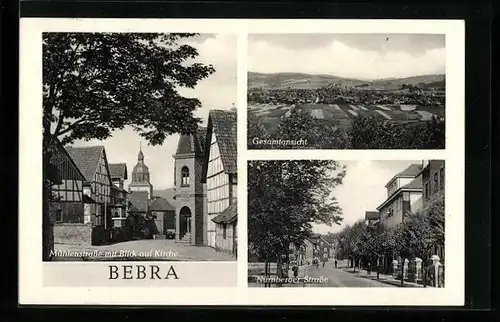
(338, 277)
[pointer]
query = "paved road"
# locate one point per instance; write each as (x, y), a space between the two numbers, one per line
(147, 249)
(337, 277)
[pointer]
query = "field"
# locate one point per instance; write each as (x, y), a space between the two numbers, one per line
(342, 114)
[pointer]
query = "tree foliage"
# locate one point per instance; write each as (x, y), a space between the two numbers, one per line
(94, 83)
(286, 197)
(369, 133)
(318, 133)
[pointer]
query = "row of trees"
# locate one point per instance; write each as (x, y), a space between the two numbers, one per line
(284, 199)
(415, 237)
(362, 133)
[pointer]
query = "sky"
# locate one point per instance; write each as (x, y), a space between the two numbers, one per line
(361, 56)
(218, 91)
(363, 189)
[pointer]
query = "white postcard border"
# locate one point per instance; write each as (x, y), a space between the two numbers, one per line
(31, 289)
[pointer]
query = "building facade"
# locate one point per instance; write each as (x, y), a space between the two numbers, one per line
(118, 172)
(372, 218)
(93, 164)
(404, 195)
(141, 177)
(67, 196)
(190, 191)
(163, 214)
(433, 180)
(220, 176)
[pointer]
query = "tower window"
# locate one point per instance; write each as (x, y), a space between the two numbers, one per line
(185, 176)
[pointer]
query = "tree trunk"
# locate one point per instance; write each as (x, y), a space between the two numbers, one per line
(378, 267)
(424, 272)
(47, 226)
(403, 271)
(266, 271)
(354, 263)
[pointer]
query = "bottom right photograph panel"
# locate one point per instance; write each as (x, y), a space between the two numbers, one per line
(355, 223)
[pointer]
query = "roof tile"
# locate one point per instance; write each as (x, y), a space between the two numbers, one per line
(224, 127)
(86, 158)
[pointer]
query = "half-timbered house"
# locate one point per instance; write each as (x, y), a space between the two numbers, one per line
(220, 176)
(92, 162)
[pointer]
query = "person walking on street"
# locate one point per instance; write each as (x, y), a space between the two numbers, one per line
(335, 263)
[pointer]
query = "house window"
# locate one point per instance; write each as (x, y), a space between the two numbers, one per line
(224, 231)
(185, 176)
(441, 178)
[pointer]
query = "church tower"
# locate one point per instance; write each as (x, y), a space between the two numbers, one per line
(140, 177)
(191, 221)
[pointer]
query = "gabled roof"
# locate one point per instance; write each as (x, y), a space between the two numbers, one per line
(229, 215)
(118, 170)
(59, 156)
(86, 158)
(415, 184)
(192, 143)
(160, 204)
(223, 124)
(411, 171)
(139, 200)
(372, 215)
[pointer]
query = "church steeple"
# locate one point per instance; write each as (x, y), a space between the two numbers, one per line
(141, 176)
(140, 156)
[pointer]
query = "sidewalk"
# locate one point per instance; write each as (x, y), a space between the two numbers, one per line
(383, 278)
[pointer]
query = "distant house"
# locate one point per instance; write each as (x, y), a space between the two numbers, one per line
(322, 246)
(372, 218)
(93, 164)
(118, 172)
(163, 214)
(404, 195)
(220, 176)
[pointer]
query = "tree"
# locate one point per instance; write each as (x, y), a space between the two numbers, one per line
(415, 237)
(95, 83)
(285, 198)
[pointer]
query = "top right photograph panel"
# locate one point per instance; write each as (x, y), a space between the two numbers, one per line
(346, 91)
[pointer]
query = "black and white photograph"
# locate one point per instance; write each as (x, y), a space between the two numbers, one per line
(364, 223)
(139, 147)
(346, 91)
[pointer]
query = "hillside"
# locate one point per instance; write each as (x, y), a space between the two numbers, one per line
(311, 81)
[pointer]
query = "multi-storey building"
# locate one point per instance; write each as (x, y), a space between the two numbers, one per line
(118, 172)
(433, 180)
(220, 176)
(404, 195)
(372, 218)
(190, 191)
(93, 164)
(67, 195)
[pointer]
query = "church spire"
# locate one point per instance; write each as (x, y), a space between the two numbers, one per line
(140, 156)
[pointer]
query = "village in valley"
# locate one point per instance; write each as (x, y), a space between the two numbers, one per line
(398, 242)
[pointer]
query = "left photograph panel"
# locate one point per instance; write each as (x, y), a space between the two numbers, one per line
(139, 147)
